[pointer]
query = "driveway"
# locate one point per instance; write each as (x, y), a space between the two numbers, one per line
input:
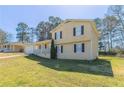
(10, 55)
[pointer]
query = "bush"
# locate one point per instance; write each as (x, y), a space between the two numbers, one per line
(121, 52)
(112, 53)
(53, 50)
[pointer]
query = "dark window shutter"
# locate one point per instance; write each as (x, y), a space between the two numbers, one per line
(61, 34)
(55, 36)
(74, 48)
(82, 30)
(74, 31)
(61, 49)
(83, 47)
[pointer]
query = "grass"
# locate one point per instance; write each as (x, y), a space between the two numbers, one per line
(35, 71)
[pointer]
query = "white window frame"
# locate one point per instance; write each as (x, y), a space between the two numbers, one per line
(78, 31)
(58, 49)
(46, 35)
(78, 48)
(57, 35)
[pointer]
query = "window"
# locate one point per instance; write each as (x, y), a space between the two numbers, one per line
(78, 48)
(61, 34)
(45, 46)
(39, 47)
(77, 31)
(59, 49)
(58, 35)
(46, 35)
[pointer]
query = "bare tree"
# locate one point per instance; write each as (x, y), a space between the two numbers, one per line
(43, 28)
(118, 12)
(110, 23)
(5, 37)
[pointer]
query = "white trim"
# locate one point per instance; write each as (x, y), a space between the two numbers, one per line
(91, 48)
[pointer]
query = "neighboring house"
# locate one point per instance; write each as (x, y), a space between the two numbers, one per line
(73, 38)
(12, 47)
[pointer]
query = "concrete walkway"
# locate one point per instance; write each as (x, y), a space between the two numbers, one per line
(11, 56)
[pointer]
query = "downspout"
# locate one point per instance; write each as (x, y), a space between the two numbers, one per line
(91, 48)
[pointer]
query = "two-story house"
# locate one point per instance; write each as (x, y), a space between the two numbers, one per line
(74, 39)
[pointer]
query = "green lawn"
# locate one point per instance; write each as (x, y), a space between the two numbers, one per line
(36, 71)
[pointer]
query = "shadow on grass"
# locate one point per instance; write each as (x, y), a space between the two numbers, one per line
(97, 67)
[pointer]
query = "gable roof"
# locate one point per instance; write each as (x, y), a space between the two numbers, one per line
(77, 20)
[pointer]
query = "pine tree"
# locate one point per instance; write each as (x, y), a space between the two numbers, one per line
(53, 50)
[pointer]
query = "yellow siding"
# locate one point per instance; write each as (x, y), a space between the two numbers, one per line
(68, 52)
(68, 40)
(42, 52)
(67, 32)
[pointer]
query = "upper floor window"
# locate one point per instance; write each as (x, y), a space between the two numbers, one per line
(77, 31)
(58, 35)
(46, 35)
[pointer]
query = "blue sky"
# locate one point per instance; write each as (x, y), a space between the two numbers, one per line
(10, 16)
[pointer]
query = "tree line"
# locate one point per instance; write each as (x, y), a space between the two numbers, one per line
(111, 29)
(5, 37)
(38, 33)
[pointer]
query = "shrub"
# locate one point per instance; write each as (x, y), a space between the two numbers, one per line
(53, 50)
(107, 53)
(121, 52)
